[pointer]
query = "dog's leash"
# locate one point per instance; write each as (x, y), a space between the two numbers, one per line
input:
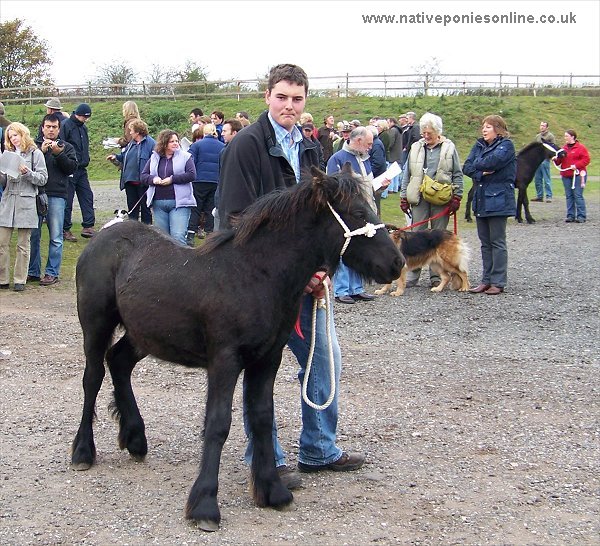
(138, 202)
(445, 212)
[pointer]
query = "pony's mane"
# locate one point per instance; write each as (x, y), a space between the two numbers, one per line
(529, 146)
(281, 208)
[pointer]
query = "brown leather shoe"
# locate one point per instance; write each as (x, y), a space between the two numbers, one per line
(494, 290)
(479, 289)
(88, 232)
(68, 236)
(346, 463)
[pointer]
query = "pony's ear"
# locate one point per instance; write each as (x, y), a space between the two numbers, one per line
(319, 187)
(347, 168)
(318, 175)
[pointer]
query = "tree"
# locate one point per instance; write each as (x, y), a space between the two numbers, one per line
(116, 74)
(430, 69)
(24, 58)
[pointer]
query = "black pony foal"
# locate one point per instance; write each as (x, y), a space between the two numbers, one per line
(131, 275)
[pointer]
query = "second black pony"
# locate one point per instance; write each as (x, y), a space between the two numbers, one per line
(188, 306)
(529, 159)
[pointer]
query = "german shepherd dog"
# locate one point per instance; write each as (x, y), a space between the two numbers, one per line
(443, 251)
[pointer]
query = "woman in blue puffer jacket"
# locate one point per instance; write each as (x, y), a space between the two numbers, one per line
(492, 165)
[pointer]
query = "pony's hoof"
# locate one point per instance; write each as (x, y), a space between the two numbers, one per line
(207, 525)
(285, 507)
(81, 466)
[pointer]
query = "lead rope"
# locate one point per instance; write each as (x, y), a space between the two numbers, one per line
(369, 230)
(316, 304)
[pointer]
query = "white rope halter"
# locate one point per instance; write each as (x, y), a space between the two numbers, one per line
(368, 229)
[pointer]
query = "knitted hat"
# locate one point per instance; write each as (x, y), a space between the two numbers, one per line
(53, 103)
(83, 110)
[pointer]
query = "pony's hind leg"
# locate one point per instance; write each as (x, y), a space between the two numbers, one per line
(96, 341)
(121, 359)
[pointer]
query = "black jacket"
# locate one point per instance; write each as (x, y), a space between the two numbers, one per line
(75, 132)
(253, 164)
(59, 168)
(409, 137)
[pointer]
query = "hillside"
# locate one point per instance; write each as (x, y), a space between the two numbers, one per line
(461, 115)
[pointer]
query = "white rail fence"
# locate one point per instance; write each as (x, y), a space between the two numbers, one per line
(381, 85)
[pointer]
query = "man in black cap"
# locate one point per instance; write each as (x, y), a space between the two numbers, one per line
(74, 131)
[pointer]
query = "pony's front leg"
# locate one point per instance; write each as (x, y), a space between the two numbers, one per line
(268, 489)
(202, 506)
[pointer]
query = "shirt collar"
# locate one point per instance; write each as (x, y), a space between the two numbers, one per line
(281, 132)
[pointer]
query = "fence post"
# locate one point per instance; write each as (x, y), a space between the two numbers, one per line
(144, 89)
(426, 84)
(347, 84)
(571, 80)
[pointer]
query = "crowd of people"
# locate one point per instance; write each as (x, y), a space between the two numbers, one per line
(178, 189)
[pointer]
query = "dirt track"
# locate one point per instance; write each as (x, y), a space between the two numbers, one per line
(479, 416)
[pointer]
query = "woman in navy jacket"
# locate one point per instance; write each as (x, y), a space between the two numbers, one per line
(492, 165)
(132, 161)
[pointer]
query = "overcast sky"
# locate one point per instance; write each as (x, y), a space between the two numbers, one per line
(241, 40)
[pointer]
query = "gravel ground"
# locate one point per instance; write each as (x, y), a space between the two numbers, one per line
(478, 414)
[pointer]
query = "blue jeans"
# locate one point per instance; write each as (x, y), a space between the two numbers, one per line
(346, 281)
(317, 439)
(575, 200)
(494, 253)
(170, 219)
(543, 181)
(79, 184)
(55, 219)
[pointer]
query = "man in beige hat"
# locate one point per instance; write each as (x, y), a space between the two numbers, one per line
(53, 106)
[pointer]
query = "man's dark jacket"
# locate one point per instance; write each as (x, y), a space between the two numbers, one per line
(59, 167)
(75, 132)
(253, 164)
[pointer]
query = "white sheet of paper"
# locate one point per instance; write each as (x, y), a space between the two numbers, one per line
(392, 170)
(10, 163)
(185, 144)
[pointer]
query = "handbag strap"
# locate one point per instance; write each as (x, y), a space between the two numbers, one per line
(40, 189)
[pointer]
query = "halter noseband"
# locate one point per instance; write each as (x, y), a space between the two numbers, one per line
(547, 146)
(368, 229)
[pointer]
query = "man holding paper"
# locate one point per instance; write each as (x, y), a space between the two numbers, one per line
(347, 284)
